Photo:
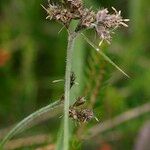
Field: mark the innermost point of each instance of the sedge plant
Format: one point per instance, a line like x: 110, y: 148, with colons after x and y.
x: 105, y: 24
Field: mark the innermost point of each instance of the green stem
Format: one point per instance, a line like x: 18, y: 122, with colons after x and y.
x: 71, y: 38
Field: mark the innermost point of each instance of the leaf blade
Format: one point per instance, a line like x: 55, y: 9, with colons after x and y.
x: 104, y: 55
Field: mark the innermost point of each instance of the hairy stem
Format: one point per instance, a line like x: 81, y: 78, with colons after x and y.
x: 71, y: 38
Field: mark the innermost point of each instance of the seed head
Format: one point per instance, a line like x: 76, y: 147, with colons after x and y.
x: 78, y: 113
x: 58, y: 13
x: 110, y: 20
x: 73, y: 113
x: 75, y: 4
x: 106, y: 23
x: 80, y: 101
x: 104, y: 33
x: 102, y: 21
x: 85, y: 115
x: 88, y: 18
x: 81, y: 115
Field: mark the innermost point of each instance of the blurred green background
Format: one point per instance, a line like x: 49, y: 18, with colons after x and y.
x: 32, y: 55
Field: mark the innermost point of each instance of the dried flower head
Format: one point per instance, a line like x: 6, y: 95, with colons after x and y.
x: 58, y: 13
x: 88, y: 18
x: 85, y: 115
x: 75, y: 4
x: 110, y: 20
x: 73, y: 113
x: 103, y: 21
x: 80, y: 114
x: 104, y: 33
x: 74, y: 9
x: 106, y: 23
x: 80, y: 101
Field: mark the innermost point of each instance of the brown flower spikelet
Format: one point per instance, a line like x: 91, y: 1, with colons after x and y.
x: 106, y: 23
x: 75, y: 4
x: 81, y: 115
x: 59, y: 13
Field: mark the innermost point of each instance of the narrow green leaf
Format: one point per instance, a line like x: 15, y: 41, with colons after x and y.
x: 26, y: 121
x: 104, y: 55
x: 59, y: 143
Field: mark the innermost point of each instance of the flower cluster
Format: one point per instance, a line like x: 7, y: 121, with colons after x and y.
x: 106, y: 23
x: 59, y: 13
x: 75, y: 4
x: 80, y: 114
x: 102, y: 21
x: 71, y: 9
x: 76, y: 112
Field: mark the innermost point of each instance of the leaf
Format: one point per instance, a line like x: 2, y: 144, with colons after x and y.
x: 26, y: 121
x: 104, y: 55
x: 59, y: 143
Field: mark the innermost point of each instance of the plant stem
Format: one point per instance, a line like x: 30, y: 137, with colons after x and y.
x: 71, y: 38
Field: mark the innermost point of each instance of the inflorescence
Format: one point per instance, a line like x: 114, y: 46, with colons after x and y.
x: 79, y: 114
x: 102, y: 21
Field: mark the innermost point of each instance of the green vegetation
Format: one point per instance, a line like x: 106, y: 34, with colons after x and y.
x: 32, y: 56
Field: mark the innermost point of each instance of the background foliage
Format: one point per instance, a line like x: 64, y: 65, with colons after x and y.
x: 32, y: 55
